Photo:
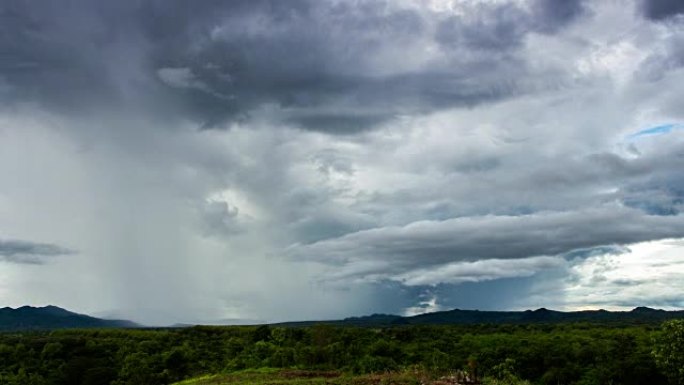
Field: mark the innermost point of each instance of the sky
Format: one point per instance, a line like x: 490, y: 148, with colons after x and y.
x: 264, y: 160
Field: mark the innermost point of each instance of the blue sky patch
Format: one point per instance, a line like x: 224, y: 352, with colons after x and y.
x: 657, y: 130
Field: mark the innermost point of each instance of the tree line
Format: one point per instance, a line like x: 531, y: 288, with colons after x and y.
x: 583, y: 354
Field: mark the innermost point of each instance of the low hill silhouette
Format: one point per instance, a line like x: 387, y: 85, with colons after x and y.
x: 52, y: 317
x: 638, y: 315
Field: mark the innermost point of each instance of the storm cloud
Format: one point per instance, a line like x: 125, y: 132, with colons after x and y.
x: 389, y: 252
x: 661, y: 9
x: 329, y: 66
x: 270, y: 160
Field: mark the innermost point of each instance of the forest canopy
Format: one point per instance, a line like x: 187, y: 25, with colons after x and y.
x: 577, y: 353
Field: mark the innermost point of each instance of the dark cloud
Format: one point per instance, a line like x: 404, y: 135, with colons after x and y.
x: 580, y: 254
x: 501, y: 28
x: 29, y: 252
x: 473, y: 271
x: 661, y: 9
x: 655, y: 199
x: 221, y: 219
x: 338, y: 123
x: 504, y: 293
x: 212, y: 62
x: 485, y: 27
x: 658, y: 65
x: 335, y: 68
x: 393, y: 251
x: 551, y: 15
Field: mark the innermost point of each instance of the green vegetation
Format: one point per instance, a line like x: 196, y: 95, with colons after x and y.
x: 301, y: 377
x: 669, y: 350
x: 580, y: 353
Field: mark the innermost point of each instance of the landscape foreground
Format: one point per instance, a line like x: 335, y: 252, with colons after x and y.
x: 302, y: 377
x: 561, y: 353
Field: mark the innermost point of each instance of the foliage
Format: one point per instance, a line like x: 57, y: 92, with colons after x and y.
x: 506, y: 354
x: 301, y: 377
x: 669, y: 350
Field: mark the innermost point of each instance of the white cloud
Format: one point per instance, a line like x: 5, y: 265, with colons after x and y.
x: 649, y: 274
x: 427, y: 305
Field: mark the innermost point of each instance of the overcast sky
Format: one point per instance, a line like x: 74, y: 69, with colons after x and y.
x: 267, y: 160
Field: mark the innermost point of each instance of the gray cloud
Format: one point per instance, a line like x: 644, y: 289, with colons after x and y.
x: 478, y: 271
x: 322, y: 65
x: 661, y: 9
x: 666, y: 60
x: 221, y: 219
x: 551, y: 15
x: 495, y: 27
x: 499, y: 28
x: 581, y: 254
x: 394, y: 251
x: 17, y: 251
x: 504, y: 293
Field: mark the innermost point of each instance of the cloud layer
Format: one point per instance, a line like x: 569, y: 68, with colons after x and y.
x: 329, y: 66
x: 435, y: 245
x: 316, y: 159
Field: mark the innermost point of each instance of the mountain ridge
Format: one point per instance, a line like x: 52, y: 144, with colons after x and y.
x: 639, y: 314
x: 52, y: 317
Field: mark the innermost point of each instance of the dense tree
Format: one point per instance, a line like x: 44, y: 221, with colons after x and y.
x: 542, y: 354
x: 669, y: 350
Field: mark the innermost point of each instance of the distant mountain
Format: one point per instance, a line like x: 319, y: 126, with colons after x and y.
x: 472, y: 317
x: 52, y: 317
x: 637, y: 315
